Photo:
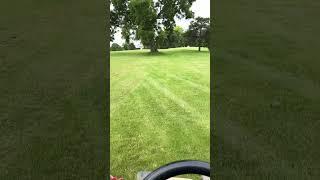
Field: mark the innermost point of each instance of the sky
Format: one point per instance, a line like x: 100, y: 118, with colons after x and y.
x: 199, y: 7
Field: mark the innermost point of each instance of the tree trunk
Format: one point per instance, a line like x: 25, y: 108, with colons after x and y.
x: 199, y: 40
x: 153, y: 47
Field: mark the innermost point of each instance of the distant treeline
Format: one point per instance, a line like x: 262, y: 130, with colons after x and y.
x: 197, y: 35
x: 125, y: 46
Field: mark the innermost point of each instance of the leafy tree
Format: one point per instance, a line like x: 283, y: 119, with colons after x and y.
x: 116, y: 47
x: 118, y: 10
x: 132, y: 46
x: 113, y: 24
x: 198, y: 32
x: 208, y: 41
x: 189, y: 38
x: 162, y: 40
x: 145, y: 19
x: 125, y: 46
x: 129, y: 46
x: 177, y: 37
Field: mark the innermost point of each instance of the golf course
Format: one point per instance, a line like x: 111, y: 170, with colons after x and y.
x: 159, y: 106
x: 52, y: 90
x: 266, y: 90
x: 54, y: 94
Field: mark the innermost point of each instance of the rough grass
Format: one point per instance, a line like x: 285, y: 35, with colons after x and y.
x: 159, y: 109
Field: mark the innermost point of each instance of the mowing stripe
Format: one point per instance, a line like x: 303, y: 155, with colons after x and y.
x: 240, y: 139
x: 179, y: 78
x: 305, y: 87
x: 183, y: 104
x: 191, y: 83
x: 180, y: 102
x: 115, y: 106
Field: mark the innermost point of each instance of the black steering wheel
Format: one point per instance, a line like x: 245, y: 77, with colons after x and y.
x: 179, y: 168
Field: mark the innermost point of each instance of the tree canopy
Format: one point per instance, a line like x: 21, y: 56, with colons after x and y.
x: 146, y: 20
x: 198, y: 32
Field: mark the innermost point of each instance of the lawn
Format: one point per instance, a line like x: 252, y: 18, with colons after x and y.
x: 159, y: 108
x: 267, y: 90
x: 52, y: 90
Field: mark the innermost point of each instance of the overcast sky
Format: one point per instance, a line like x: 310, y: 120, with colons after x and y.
x: 199, y: 7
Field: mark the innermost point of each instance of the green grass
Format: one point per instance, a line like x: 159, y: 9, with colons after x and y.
x: 266, y: 90
x: 159, y: 108
x: 52, y: 90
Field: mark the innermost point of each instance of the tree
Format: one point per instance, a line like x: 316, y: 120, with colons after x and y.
x: 198, y: 32
x: 118, y: 10
x: 146, y: 19
x: 129, y: 46
x: 177, y: 37
x: 190, y: 38
x: 115, y: 47
x: 209, y: 38
x: 125, y: 46
x: 132, y: 46
x: 162, y: 40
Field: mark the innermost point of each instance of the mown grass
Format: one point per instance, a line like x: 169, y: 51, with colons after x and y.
x: 159, y: 108
x: 52, y: 90
x: 266, y: 90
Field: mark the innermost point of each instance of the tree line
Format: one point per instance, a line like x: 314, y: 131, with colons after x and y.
x: 153, y: 23
x: 196, y: 36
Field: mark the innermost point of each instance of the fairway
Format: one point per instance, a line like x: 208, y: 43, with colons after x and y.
x: 267, y: 90
x: 159, y: 108
x: 52, y: 90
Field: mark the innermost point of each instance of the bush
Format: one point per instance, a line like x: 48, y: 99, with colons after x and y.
x: 116, y: 47
x: 132, y: 46
x: 125, y: 46
x: 129, y: 46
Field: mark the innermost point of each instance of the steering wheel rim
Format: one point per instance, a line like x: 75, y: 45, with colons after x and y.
x: 179, y: 168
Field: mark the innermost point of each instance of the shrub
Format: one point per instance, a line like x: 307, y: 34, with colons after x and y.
x: 116, y: 47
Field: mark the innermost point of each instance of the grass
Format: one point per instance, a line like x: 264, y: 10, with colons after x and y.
x: 266, y: 90
x: 159, y: 108
x: 52, y: 90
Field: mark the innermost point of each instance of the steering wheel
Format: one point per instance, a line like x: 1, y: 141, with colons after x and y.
x: 179, y: 168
